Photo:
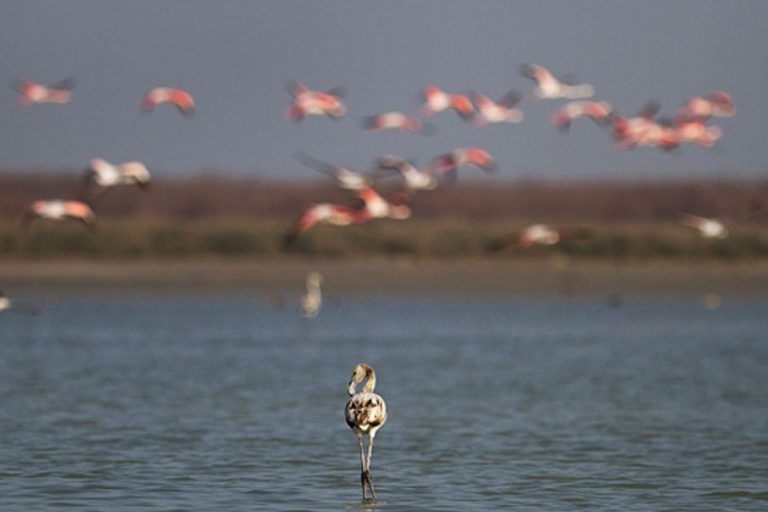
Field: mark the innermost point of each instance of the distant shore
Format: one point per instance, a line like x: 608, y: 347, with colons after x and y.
x: 466, y: 277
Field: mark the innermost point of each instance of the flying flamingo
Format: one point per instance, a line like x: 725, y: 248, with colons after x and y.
x: 549, y: 88
x: 415, y: 179
x: 31, y: 92
x: 695, y: 130
x: 58, y: 209
x: 313, y: 299
x: 324, y: 213
x: 717, y: 104
x: 376, y: 207
x: 104, y: 175
x: 598, y: 111
x: 449, y: 163
x: 371, y: 206
x: 707, y: 227
x: 629, y: 132
x: 307, y: 102
x: 344, y: 178
x: 366, y: 413
x: 541, y: 234
x: 179, y: 98
x: 436, y: 100
x: 397, y: 121
x: 502, y: 111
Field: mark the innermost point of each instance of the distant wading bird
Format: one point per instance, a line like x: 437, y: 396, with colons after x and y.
x: 6, y: 304
x: 365, y: 413
x: 313, y: 299
x: 179, y: 98
x: 31, y: 92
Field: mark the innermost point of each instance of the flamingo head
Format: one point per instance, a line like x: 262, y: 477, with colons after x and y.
x: 360, y: 372
x: 724, y: 101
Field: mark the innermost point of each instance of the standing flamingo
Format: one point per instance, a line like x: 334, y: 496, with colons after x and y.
x: 365, y: 413
x: 313, y: 299
x: 5, y: 302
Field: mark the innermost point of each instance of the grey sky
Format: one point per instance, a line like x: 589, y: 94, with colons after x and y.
x: 235, y: 57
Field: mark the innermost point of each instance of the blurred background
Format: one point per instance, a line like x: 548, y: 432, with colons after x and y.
x: 227, y: 182
x: 581, y: 328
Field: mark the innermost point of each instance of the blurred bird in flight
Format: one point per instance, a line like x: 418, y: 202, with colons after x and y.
x: 307, y: 102
x: 179, y: 98
x: 31, y: 92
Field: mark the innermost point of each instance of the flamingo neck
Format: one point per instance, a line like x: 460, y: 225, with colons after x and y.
x: 370, y: 381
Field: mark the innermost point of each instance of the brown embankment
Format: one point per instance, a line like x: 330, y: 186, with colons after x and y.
x: 466, y: 277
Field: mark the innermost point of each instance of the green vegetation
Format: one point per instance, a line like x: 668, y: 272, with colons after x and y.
x: 123, y: 239
x: 211, y: 215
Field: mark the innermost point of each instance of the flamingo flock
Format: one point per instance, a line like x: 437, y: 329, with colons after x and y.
x: 689, y: 126
x: 366, y: 411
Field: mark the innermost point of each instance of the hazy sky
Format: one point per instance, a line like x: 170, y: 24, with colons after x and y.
x: 236, y: 56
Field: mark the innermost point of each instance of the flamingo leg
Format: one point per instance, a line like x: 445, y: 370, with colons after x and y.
x: 363, y: 466
x: 368, y: 463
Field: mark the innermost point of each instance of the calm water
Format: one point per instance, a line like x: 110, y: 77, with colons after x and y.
x: 495, y: 404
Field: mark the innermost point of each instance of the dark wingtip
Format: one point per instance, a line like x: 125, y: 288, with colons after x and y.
x: 428, y: 129
x: 512, y: 98
x: 338, y: 91
x: 66, y: 84
x: 526, y: 69
x: 650, y: 109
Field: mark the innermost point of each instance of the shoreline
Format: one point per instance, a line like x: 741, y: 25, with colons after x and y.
x: 412, y: 276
